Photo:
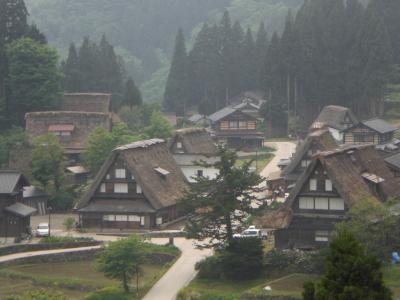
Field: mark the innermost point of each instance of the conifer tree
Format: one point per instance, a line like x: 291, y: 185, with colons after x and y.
x: 13, y: 25
x: 375, y: 50
x: 350, y: 273
x: 72, y: 76
x: 176, y: 96
x: 261, y: 46
x: 89, y: 65
x: 249, y: 66
x: 132, y: 95
x: 34, y: 33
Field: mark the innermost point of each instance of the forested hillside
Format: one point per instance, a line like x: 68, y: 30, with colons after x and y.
x: 143, y: 31
x: 330, y: 52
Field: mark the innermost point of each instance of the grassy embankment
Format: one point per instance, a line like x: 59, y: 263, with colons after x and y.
x: 74, y: 279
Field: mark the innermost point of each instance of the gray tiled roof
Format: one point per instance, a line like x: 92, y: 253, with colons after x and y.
x: 33, y: 191
x: 394, y: 160
x: 8, y: 181
x: 379, y: 125
x: 20, y: 209
x: 222, y: 113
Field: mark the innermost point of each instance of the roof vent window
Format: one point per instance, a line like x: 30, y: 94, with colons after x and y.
x: 162, y: 172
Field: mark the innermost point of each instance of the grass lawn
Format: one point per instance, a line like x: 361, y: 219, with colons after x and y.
x: 290, y: 285
x: 50, y: 275
x: 231, y: 290
x: 259, y: 161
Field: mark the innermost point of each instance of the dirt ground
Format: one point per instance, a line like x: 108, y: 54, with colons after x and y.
x: 56, y: 220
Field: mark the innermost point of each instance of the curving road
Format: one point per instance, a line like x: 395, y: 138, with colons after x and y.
x: 180, y: 274
x: 283, y: 150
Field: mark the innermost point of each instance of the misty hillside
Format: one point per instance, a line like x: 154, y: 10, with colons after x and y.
x: 143, y: 31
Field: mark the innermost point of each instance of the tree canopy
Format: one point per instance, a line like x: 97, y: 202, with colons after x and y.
x: 350, y: 273
x: 220, y: 203
x: 33, y: 79
x: 101, y: 143
x: 122, y: 259
x: 48, y: 161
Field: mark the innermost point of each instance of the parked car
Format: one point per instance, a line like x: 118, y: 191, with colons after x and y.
x: 252, y: 231
x: 42, y: 230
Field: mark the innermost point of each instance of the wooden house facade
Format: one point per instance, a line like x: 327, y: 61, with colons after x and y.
x: 191, y: 145
x: 236, y: 128
x: 374, y: 131
x: 333, y: 183
x: 14, y: 215
x: 138, y: 187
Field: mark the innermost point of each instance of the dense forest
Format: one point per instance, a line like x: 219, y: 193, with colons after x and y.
x: 142, y: 32
x: 330, y: 52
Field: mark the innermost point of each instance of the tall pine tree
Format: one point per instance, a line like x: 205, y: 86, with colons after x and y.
x: 72, y: 75
x: 132, y: 95
x: 176, y: 96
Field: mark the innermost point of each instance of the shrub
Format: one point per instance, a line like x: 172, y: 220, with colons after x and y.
x: 209, y: 268
x: 295, y: 260
x: 109, y: 293
x: 242, y: 259
x: 69, y: 223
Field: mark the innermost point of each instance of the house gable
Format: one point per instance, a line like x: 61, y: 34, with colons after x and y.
x: 140, y: 160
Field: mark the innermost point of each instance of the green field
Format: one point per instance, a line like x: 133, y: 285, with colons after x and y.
x: 289, y: 285
x: 24, y: 278
x: 260, y: 161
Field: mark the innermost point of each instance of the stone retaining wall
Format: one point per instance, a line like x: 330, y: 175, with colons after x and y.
x: 50, y: 246
x: 85, y: 254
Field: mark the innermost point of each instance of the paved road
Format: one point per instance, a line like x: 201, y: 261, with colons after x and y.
x: 180, y: 274
x: 283, y: 150
x: 44, y: 252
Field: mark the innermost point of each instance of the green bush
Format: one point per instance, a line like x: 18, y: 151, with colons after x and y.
x: 188, y: 294
x: 295, y: 261
x: 242, y: 259
x: 209, y: 268
x: 109, y: 293
x: 64, y: 239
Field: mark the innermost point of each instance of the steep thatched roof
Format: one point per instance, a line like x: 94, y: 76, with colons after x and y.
x: 194, y: 141
x: 348, y: 168
x: 87, y: 102
x: 276, y: 219
x: 143, y: 159
x: 335, y: 117
x: 321, y: 139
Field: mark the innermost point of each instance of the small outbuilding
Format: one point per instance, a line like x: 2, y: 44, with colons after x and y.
x: 14, y: 214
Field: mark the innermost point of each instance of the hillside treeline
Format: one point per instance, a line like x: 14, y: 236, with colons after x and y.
x: 330, y: 52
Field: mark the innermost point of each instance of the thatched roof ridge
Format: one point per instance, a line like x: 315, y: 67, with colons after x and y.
x: 323, y: 140
x: 345, y: 167
x: 194, y: 141
x: 141, y: 159
x: 64, y: 113
x: 89, y: 102
x: 334, y: 116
